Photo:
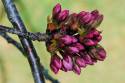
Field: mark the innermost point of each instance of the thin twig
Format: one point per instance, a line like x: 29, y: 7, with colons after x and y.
x: 28, y: 35
x: 32, y: 56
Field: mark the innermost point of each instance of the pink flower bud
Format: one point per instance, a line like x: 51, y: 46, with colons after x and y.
x: 56, y: 61
x: 90, y: 19
x: 86, y: 18
x: 79, y: 46
x: 63, y: 15
x: 56, y: 10
x: 76, y: 69
x: 81, y: 14
x: 97, y: 21
x: 54, y: 68
x: 89, y: 42
x: 95, y: 13
x: 101, y: 54
x: 74, y: 40
x: 66, y: 39
x: 89, y: 35
x: 99, y: 38
x: 87, y: 58
x: 80, y: 62
x: 67, y: 63
x: 73, y: 50
x: 98, y: 52
x: 95, y: 32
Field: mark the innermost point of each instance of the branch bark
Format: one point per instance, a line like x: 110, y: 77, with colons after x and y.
x: 32, y: 56
x: 28, y: 35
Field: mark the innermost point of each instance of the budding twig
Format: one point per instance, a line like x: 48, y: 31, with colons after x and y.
x: 28, y: 35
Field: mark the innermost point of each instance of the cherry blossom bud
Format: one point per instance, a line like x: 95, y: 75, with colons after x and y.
x: 98, y: 52
x: 56, y: 61
x: 95, y: 32
x: 73, y: 50
x: 74, y: 40
x: 86, y: 18
x: 76, y: 69
x: 101, y: 54
x: 87, y: 58
x: 67, y: 63
x: 54, y: 68
x: 89, y: 35
x: 81, y: 14
x: 89, y: 42
x: 97, y: 21
x: 79, y: 46
x: 63, y: 15
x: 66, y: 39
x: 56, y: 10
x: 99, y: 38
x: 80, y: 62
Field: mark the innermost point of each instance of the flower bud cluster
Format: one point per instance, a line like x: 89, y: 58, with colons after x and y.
x: 74, y: 40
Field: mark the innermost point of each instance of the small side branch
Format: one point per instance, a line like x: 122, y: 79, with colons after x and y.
x: 28, y: 35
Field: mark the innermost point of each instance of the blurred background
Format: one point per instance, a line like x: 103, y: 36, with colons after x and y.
x: 14, y: 68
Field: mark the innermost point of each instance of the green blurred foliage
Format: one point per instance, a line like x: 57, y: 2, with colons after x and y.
x: 34, y: 14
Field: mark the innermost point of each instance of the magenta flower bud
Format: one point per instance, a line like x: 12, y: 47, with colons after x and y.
x: 81, y: 14
x: 97, y: 21
x: 63, y: 15
x: 80, y: 62
x: 87, y: 58
x: 99, y: 38
x: 93, y: 32
x: 76, y: 69
x: 89, y: 35
x: 97, y: 18
x: 67, y: 63
x: 56, y: 61
x: 73, y: 50
x: 89, y: 42
x: 54, y: 68
x: 74, y: 40
x: 56, y: 10
x: 79, y: 46
x: 86, y: 19
x: 66, y: 39
x: 101, y: 54
x: 95, y: 13
x: 98, y: 52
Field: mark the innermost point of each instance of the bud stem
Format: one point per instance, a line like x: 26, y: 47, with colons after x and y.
x: 28, y: 35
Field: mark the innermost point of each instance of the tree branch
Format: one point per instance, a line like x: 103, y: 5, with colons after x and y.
x: 32, y: 56
x: 28, y: 35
